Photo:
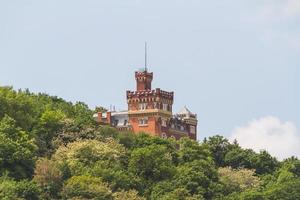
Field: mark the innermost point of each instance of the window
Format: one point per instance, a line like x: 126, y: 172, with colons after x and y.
x: 164, y: 123
x: 125, y: 122
x: 193, y: 129
x: 142, y: 106
x: 164, y: 135
x: 165, y: 106
x: 143, y: 121
x: 182, y: 128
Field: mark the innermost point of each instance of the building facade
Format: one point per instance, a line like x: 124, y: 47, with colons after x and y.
x: 150, y: 111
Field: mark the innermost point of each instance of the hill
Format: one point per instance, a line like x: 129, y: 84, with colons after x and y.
x: 53, y: 149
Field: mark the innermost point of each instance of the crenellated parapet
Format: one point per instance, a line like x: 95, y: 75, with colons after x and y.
x: 149, y: 95
x: 150, y: 99
x: 142, y: 75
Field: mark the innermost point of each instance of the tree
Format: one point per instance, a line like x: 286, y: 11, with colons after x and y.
x: 240, y: 158
x: 22, y: 190
x: 8, y: 190
x: 82, y: 114
x: 145, y: 140
x: 100, y: 109
x: 219, y: 147
x: 199, y: 177
x: 49, y: 178
x: 289, y: 170
x: 81, y: 156
x: 152, y: 163
x: 237, y: 180
x: 191, y: 150
x: 17, y: 150
x: 247, y: 195
x: 71, y: 132
x: 264, y: 163
x: 86, y: 187
x: 289, y: 190
x: 181, y: 194
x: 128, y: 195
x: 127, y: 139
x: 49, y: 124
x: 18, y: 105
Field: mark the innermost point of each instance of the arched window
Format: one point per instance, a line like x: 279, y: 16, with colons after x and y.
x: 164, y: 122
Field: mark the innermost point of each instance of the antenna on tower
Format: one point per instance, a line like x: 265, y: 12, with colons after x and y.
x: 146, y: 57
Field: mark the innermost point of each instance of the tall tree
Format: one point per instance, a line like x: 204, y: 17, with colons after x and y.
x: 17, y: 150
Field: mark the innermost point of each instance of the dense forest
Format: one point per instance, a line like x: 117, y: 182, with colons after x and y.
x: 53, y: 149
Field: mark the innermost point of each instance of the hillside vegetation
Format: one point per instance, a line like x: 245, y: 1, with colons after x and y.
x: 53, y: 149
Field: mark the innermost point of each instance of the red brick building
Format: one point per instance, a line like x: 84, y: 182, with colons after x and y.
x: 151, y: 111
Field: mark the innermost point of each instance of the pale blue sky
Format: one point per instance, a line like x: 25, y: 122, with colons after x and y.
x: 230, y: 61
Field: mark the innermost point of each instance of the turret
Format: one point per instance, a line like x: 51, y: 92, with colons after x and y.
x: 143, y: 80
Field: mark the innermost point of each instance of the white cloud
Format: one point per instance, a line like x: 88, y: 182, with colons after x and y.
x: 280, y: 139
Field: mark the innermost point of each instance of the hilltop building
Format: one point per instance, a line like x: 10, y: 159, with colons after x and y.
x: 151, y: 111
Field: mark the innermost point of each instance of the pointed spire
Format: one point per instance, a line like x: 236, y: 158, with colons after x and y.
x: 185, y: 111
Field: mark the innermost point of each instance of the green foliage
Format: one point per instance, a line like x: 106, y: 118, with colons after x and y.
x: 239, y: 158
x: 100, y: 109
x: 152, y: 163
x: 19, y: 105
x: 53, y: 149
x: 191, y: 150
x: 47, y: 128
x: 289, y: 190
x: 71, y: 132
x: 25, y: 190
x: 239, y: 180
x: 82, y: 114
x: 198, y: 177
x: 86, y: 187
x: 81, y: 156
x: 290, y: 166
x: 263, y: 163
x: 128, y: 195
x: 219, y: 147
x: 181, y: 194
x: 247, y: 195
x: 49, y: 178
x: 127, y: 139
x: 17, y: 150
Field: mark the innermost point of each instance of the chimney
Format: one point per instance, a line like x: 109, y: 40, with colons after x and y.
x: 108, y: 117
x: 99, y: 117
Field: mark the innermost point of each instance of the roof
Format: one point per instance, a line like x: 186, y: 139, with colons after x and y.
x: 124, y: 112
x: 185, y: 111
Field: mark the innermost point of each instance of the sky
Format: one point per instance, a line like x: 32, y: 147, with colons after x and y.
x: 233, y: 62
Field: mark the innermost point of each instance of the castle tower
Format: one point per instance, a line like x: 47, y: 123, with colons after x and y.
x: 148, y: 110
x: 151, y: 111
x: 143, y: 80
